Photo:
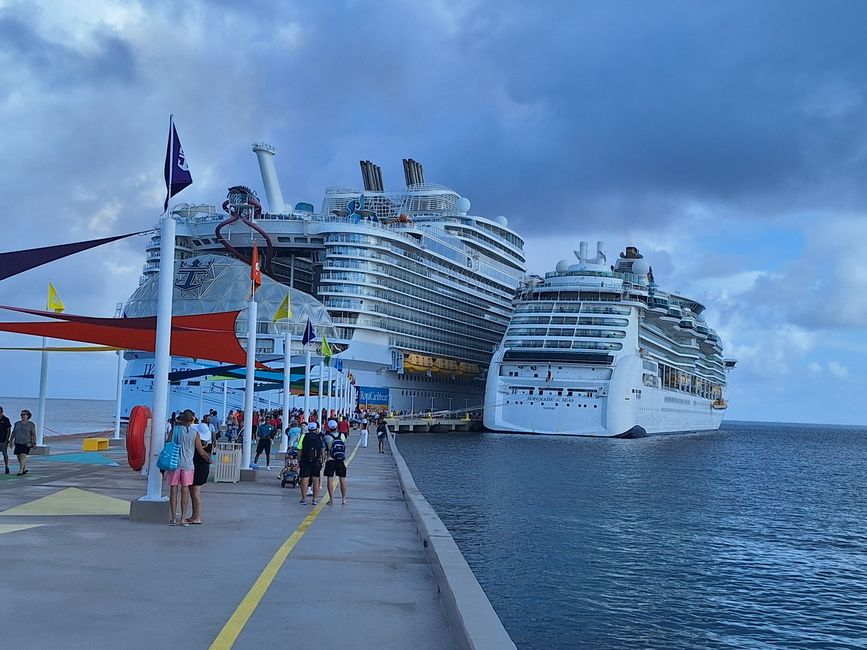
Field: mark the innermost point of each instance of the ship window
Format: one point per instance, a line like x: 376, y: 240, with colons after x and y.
x: 197, y: 242
x: 192, y: 383
x: 132, y: 382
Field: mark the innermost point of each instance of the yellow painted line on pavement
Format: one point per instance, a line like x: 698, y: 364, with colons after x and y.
x: 235, y: 625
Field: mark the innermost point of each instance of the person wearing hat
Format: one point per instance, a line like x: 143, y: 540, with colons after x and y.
x: 310, y: 449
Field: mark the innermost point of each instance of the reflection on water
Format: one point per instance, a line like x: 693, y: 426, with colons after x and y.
x: 750, y: 537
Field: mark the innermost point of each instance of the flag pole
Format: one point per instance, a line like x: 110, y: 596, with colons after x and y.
x: 307, y: 381
x: 321, y: 387
x: 162, y: 352
x: 249, y: 382
x: 287, y: 386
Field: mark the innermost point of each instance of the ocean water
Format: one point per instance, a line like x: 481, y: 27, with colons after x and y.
x: 65, y: 416
x: 754, y: 536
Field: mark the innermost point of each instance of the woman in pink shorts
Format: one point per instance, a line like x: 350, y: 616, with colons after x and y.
x: 189, y: 442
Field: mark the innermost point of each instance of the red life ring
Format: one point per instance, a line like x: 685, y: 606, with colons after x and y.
x: 135, y: 436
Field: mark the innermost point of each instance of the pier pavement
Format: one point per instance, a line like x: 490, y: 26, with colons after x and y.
x: 262, y: 570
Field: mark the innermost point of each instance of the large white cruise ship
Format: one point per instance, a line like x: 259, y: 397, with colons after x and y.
x: 595, y: 349
x: 418, y: 290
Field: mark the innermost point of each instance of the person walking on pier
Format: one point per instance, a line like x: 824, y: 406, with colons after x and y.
x: 381, y: 434
x: 311, y: 446
x: 264, y: 434
x: 24, y: 436
x: 5, y: 437
x: 336, y: 466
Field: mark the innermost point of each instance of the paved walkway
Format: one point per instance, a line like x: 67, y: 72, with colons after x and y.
x: 78, y: 574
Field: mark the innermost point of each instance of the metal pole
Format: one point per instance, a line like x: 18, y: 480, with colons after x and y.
x: 287, y: 387
x: 117, y: 394
x: 307, y: 382
x: 43, y: 393
x: 201, y: 398
x: 249, y: 383
x: 321, y: 388
x: 162, y: 354
x: 328, y: 403
x: 225, y: 400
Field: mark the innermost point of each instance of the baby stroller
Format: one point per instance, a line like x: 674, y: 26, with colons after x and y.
x: 289, y: 474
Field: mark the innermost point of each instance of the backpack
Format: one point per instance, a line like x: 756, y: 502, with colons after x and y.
x: 338, y: 449
x: 310, y: 447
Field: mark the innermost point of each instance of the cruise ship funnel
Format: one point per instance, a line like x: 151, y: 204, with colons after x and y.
x: 265, y: 153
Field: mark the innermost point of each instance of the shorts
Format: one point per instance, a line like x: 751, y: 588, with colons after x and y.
x: 337, y: 467
x: 310, y: 469
x: 22, y: 449
x: 264, y: 444
x: 183, y: 477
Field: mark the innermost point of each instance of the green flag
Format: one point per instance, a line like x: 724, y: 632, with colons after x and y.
x: 325, y: 349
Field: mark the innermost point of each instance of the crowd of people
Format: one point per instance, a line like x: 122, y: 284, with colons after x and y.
x: 317, y: 444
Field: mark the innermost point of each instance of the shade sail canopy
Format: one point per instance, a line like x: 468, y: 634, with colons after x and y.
x: 15, y: 262
x: 201, y: 336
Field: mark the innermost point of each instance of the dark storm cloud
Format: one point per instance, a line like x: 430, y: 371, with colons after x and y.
x: 55, y: 64
x: 592, y: 112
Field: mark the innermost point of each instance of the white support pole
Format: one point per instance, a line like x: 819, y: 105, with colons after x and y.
x: 117, y: 394
x: 321, y: 388
x: 249, y: 384
x: 307, y: 382
x: 201, y: 398
x: 328, y: 404
x: 43, y: 393
x: 287, y: 387
x: 225, y: 400
x: 162, y: 357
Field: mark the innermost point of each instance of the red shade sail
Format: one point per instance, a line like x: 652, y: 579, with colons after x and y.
x: 200, y: 336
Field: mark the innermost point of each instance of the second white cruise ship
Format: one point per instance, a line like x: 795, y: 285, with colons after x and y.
x: 600, y: 350
x: 418, y: 289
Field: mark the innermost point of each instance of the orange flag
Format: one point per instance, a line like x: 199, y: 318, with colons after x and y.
x: 255, y: 271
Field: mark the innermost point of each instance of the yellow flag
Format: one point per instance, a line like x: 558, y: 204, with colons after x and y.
x: 54, y: 301
x: 325, y: 349
x: 284, y: 311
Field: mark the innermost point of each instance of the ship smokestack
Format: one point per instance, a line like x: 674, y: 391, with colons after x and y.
x: 371, y: 176
x: 413, y: 172
x: 600, y: 252
x: 265, y: 153
x: 582, y: 247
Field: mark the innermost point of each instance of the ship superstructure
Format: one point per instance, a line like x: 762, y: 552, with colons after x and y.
x: 599, y: 349
x: 419, y: 290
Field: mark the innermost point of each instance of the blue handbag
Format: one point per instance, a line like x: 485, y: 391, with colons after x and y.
x: 170, y: 456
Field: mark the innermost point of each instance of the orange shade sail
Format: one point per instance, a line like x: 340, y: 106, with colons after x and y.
x: 200, y: 336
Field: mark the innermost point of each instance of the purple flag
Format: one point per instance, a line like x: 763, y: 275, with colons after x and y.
x: 176, y: 171
x: 309, y: 334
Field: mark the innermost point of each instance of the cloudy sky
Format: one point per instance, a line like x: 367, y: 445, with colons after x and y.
x: 727, y: 140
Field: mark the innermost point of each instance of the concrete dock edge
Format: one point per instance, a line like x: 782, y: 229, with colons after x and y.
x: 471, y: 618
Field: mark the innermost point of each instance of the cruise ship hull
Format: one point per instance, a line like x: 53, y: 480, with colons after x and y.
x: 610, y: 416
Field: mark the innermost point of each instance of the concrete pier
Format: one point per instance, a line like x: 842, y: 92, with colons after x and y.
x: 262, y: 569
x: 407, y: 424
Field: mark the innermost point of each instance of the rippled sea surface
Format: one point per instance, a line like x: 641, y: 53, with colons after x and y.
x: 65, y: 416
x: 754, y: 536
